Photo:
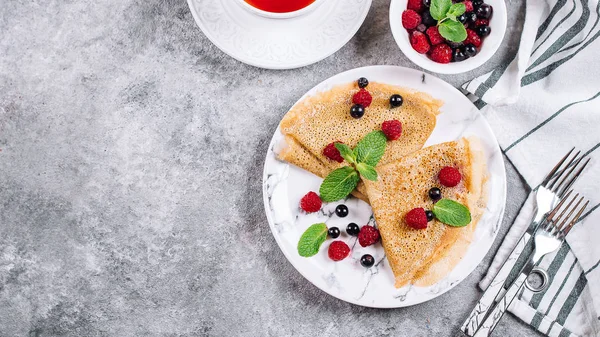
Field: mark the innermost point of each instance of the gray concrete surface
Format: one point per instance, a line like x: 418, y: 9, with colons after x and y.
x: 131, y: 152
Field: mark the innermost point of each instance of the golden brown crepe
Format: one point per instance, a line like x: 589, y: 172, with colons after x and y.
x: 425, y: 256
x: 325, y: 117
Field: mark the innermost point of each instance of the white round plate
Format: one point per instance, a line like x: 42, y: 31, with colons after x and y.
x: 279, y: 43
x: 284, y: 185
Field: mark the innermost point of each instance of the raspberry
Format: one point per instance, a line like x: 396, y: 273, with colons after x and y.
x: 311, y: 202
x: 441, y: 53
x: 392, y: 129
x: 482, y: 22
x: 449, y: 176
x: 331, y: 152
x: 362, y: 97
x: 416, y: 218
x: 468, y: 6
x: 415, y: 5
x: 338, y: 250
x: 419, y: 42
x: 368, y: 235
x: 473, y: 38
x: 434, y: 35
x: 410, y: 19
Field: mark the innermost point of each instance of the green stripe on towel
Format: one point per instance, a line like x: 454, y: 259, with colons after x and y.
x: 564, y: 333
x: 557, y: 7
x: 572, y: 299
x: 540, y: 74
x: 566, y: 37
x: 562, y: 285
x: 556, y: 114
x: 552, y: 270
x: 556, y: 27
x: 593, y: 267
x: 537, y: 320
x: 588, y: 34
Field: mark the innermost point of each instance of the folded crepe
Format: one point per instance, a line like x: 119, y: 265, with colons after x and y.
x: 425, y: 256
x: 325, y: 117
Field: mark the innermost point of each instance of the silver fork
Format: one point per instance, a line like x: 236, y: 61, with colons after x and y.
x: 547, y: 238
x: 553, y: 187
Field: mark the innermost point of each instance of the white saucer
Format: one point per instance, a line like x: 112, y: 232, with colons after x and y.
x: 284, y: 185
x: 279, y: 43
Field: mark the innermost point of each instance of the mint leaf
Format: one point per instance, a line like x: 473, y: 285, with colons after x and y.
x: 452, y: 213
x: 368, y: 172
x: 451, y: 17
x: 453, y: 31
x: 312, y: 239
x: 456, y: 10
x: 338, y: 184
x: 346, y: 152
x: 371, y: 148
x: 439, y: 8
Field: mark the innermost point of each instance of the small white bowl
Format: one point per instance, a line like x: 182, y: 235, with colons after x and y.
x: 486, y: 51
x: 287, y: 15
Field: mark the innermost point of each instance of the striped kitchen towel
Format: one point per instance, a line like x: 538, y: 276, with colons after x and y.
x: 546, y: 101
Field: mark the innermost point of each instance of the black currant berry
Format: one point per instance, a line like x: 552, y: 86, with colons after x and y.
x: 435, y: 194
x: 396, y: 100
x: 458, y: 55
x: 429, y: 215
x: 363, y: 82
x: 470, y: 50
x: 357, y: 111
x: 333, y: 232
x: 341, y: 211
x: 483, y: 31
x: 352, y: 229
x: 484, y: 11
x: 367, y: 260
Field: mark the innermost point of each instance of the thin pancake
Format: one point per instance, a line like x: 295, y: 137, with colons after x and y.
x: 323, y: 118
x: 294, y: 151
x: 425, y: 256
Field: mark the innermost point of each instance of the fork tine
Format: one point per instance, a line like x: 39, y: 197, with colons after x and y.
x: 575, y: 219
x: 557, y: 207
x: 561, y: 172
x: 572, y: 167
x: 565, y: 209
x: 553, y: 171
x: 560, y: 227
x: 574, y: 178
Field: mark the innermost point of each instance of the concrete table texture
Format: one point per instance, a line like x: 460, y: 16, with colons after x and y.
x: 130, y: 180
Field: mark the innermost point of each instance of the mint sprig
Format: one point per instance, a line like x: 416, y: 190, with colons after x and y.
x: 371, y: 148
x: 346, y: 152
x: 439, y: 8
x: 338, y: 184
x: 456, y: 10
x: 446, y: 13
x: 363, y: 159
x: 453, y: 31
x: 368, y: 172
x: 452, y: 213
x: 312, y: 239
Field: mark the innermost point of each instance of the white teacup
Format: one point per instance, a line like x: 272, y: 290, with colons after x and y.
x: 286, y: 15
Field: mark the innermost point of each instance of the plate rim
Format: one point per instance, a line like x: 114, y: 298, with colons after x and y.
x: 214, y: 41
x: 350, y: 300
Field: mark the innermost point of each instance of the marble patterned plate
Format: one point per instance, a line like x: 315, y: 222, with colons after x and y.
x: 284, y: 185
x: 279, y: 43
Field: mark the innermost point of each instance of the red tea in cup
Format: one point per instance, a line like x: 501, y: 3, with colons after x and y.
x: 279, y: 6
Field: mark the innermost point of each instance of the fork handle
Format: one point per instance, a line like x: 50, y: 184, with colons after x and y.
x: 488, y: 326
x: 487, y: 300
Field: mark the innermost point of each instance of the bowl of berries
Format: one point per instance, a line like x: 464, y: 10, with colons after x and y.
x: 448, y: 36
